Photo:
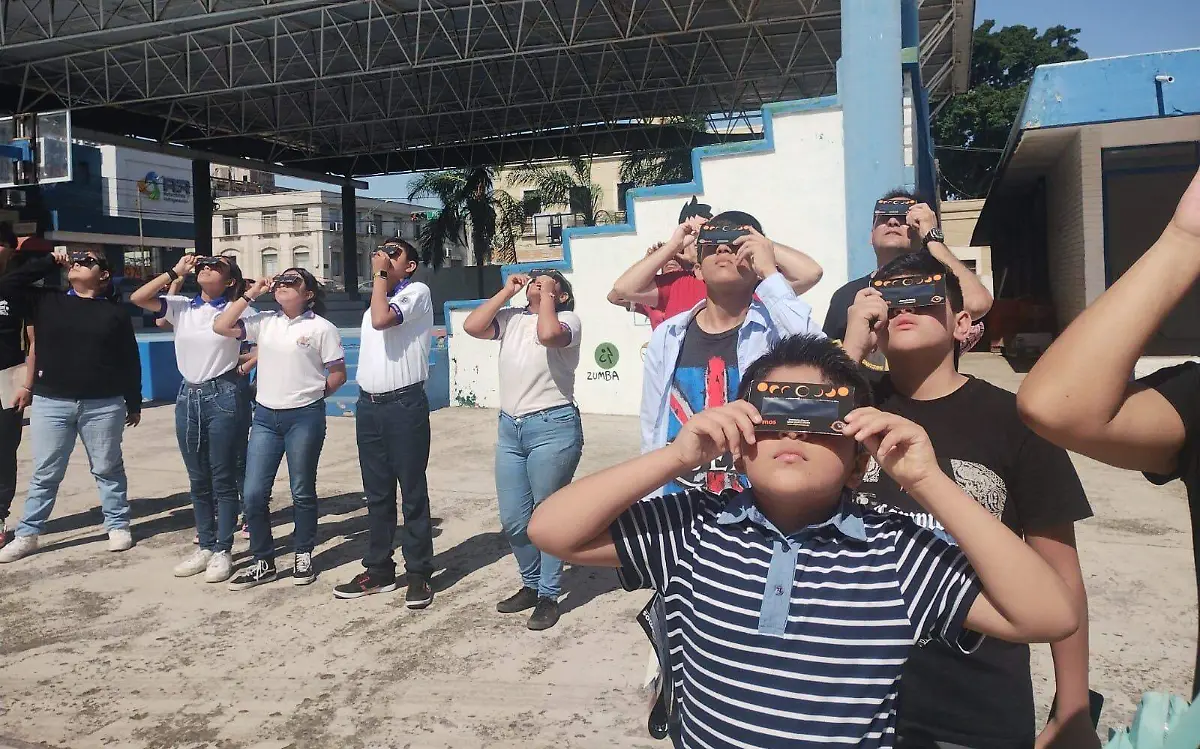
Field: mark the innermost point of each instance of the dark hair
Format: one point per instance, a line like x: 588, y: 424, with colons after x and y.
x: 411, y: 254
x: 317, y: 303
x: 694, y: 208
x: 8, y: 237
x: 924, y: 264
x: 565, y: 285
x: 901, y: 192
x: 814, y: 351
x: 238, y: 287
x: 737, y: 218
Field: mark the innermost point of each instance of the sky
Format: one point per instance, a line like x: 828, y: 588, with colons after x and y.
x: 1107, y: 28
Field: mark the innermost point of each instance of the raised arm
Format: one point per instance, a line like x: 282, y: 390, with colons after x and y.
x: 146, y: 295
x: 636, y: 285
x: 801, y: 271
x: 573, y: 523
x: 479, y: 324
x: 1022, y: 598
x: 383, y: 315
x: 977, y: 300
x: 21, y: 279
x: 1078, y: 395
x: 226, y: 323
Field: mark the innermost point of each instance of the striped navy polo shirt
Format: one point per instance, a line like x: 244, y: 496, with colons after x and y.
x: 790, y: 640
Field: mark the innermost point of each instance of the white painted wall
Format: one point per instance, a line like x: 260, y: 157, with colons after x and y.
x: 141, y: 183
x: 797, y: 191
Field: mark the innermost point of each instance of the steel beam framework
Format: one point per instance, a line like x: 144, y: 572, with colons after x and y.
x: 359, y: 85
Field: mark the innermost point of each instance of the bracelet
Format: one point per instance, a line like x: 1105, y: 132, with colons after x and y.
x: 248, y: 299
x: 171, y: 274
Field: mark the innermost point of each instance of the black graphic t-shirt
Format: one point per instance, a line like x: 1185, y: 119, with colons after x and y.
x: 836, y: 318
x: 1181, y: 387
x: 706, y: 376
x: 977, y: 692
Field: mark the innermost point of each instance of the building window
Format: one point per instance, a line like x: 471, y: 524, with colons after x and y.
x: 622, y: 188
x: 270, y: 262
x: 231, y: 227
x: 300, y: 219
x: 531, y: 201
x: 581, y: 199
x: 270, y: 222
x: 335, y: 264
x: 300, y: 258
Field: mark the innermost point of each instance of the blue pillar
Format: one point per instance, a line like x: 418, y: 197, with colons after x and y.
x: 871, y: 91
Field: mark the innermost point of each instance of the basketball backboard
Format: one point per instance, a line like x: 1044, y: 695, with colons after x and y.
x: 35, y: 148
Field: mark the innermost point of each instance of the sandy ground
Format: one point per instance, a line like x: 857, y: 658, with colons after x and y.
x: 101, y: 649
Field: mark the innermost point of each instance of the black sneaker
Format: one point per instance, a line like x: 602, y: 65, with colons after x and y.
x: 365, y: 584
x: 419, y: 593
x: 545, y: 615
x: 524, y: 599
x: 302, y: 569
x: 258, y: 573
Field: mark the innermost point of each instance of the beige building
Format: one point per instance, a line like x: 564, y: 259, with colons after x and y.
x: 303, y: 229
x: 958, y: 220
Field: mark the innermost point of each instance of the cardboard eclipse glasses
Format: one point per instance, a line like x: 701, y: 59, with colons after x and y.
x: 804, y: 407
x: 712, y: 236
x: 912, y: 291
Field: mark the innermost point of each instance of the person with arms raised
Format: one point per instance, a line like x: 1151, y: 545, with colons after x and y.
x: 88, y: 386
x: 1079, y: 394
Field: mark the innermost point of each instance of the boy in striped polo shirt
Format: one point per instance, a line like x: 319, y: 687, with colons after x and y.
x: 790, y: 608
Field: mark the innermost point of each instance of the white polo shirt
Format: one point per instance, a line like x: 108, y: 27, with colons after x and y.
x: 533, y: 377
x: 200, y: 353
x: 292, y: 356
x: 398, y: 356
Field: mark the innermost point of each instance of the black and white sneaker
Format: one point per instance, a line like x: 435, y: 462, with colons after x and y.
x: 302, y: 569
x: 364, y: 584
x: 258, y: 573
x: 419, y: 593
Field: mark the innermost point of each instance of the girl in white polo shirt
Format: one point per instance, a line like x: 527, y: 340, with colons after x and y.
x: 300, y: 362
x: 540, y: 438
x: 213, y: 405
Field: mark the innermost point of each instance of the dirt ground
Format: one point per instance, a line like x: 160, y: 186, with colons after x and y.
x: 101, y: 649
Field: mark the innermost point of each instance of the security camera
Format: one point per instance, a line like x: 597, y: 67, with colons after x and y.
x: 1164, y: 79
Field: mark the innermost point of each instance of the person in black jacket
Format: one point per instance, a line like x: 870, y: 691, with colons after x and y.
x: 18, y: 381
x: 88, y: 384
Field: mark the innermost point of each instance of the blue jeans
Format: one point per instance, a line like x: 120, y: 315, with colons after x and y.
x: 298, y: 433
x: 536, y: 455
x: 55, y: 423
x: 210, y: 424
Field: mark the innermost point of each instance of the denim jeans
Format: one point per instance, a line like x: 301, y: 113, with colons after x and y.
x: 210, y: 423
x: 298, y: 433
x: 11, y: 422
x: 536, y: 455
x: 56, y: 422
x: 393, y: 447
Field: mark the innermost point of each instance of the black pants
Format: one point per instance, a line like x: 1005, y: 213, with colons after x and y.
x: 393, y: 447
x: 10, y: 439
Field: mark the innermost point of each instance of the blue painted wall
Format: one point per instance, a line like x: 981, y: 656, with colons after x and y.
x: 1113, y: 89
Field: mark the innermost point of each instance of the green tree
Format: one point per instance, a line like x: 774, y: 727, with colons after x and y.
x: 1002, y: 65
x: 471, y: 208
x: 662, y: 166
x: 557, y: 185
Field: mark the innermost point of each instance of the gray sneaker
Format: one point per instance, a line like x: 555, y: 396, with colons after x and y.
x: 220, y: 567
x: 195, y: 564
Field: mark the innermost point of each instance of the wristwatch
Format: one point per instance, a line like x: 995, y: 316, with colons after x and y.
x: 935, y: 235
x: 381, y: 274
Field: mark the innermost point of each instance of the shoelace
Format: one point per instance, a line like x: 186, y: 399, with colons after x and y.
x: 303, y: 562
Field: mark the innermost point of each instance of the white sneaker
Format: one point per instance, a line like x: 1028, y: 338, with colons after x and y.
x: 21, y: 546
x: 220, y: 567
x: 193, y: 565
x: 120, y: 540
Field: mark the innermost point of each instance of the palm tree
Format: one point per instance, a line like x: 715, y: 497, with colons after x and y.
x: 556, y: 186
x: 662, y: 166
x: 470, y: 208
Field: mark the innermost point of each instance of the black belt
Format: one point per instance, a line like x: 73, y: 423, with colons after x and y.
x: 391, y: 395
x: 230, y: 376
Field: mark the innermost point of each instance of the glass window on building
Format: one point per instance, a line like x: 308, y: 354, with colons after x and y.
x: 270, y: 222
x: 300, y: 219
x: 335, y: 265
x: 231, y: 226
x: 301, y: 259
x: 531, y: 201
x: 270, y: 262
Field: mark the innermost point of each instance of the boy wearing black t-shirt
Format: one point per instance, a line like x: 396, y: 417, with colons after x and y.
x: 974, y: 693
x: 1079, y: 395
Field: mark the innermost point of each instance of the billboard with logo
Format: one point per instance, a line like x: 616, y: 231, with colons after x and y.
x: 150, y: 185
